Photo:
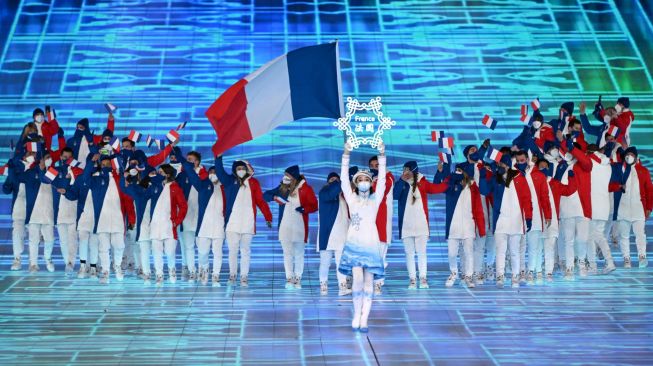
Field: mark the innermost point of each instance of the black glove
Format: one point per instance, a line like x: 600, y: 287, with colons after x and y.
x: 300, y: 210
x: 529, y: 224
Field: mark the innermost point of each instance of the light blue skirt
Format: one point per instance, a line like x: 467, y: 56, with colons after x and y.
x: 369, y: 258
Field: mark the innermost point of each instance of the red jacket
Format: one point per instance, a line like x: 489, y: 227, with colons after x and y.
x: 258, y: 201
x: 49, y: 129
x: 308, y: 201
x: 558, y: 190
x: 382, y: 214
x: 544, y: 134
x: 178, y: 206
x: 542, y: 191
x: 477, y: 210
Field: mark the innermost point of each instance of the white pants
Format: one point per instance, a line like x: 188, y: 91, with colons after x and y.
x: 325, y: 265
x: 624, y: 236
x: 169, y: 246
x: 144, y: 250
x: 114, y: 241
x: 417, y: 244
x: 503, y: 243
x: 533, y: 239
x: 598, y: 239
x: 68, y: 242
x: 362, y: 291
x: 481, y: 244
x: 549, y: 254
x: 575, y: 231
x: 293, y: 258
x: 187, y: 241
x: 242, y: 242
x: 35, y: 231
x: 88, y: 247
x: 468, y: 258
x: 18, y: 237
x: 204, y: 245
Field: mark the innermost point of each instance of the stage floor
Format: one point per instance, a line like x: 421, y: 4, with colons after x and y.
x: 49, y: 319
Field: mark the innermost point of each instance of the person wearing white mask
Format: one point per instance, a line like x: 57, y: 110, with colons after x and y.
x: 362, y: 257
x: 633, y: 202
x: 243, y: 195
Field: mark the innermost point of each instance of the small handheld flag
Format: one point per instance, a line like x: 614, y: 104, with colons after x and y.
x: 115, y: 144
x: 74, y: 163
x: 115, y: 164
x: 613, y: 131
x: 50, y: 113
x: 445, y: 158
x: 446, y: 143
x: 4, y: 170
x: 110, y: 107
x: 489, y: 122
x: 524, y: 109
x: 494, y: 154
x: 535, y: 104
x: 160, y: 144
x: 172, y: 136
x: 149, y: 141
x: 525, y: 118
x: 31, y: 146
x: 436, y: 135
x: 182, y: 125
x: 134, y: 136
x: 51, y: 174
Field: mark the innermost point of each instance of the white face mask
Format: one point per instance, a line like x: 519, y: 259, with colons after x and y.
x: 569, y: 157
x: 133, y: 172
x: 554, y: 153
x: 29, y: 159
x: 241, y: 173
x: 607, y: 119
x: 286, y: 180
x: 48, y: 162
x: 537, y: 124
x: 363, y: 186
x: 38, y: 118
x: 630, y: 160
x: 619, y: 108
x: 213, y: 178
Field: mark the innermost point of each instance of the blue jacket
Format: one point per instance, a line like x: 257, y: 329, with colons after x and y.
x: 11, y: 185
x: 491, y: 186
x: 141, y: 196
x: 329, y: 204
x: 204, y: 188
x: 59, y: 182
x: 269, y: 196
x: 597, y: 131
x: 98, y: 185
x: 32, y: 178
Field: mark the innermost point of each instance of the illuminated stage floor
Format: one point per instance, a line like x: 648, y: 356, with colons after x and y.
x: 48, y: 319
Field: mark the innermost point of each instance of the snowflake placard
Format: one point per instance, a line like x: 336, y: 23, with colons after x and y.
x: 364, y: 123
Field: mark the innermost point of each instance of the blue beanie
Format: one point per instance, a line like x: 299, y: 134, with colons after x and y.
x: 466, y: 150
x: 236, y: 164
x: 568, y: 106
x: 506, y: 159
x: 331, y: 175
x: 632, y: 150
x: 293, y: 171
x: 625, y: 101
x: 412, y: 165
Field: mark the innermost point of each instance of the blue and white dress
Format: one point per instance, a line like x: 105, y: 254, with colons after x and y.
x: 362, y: 248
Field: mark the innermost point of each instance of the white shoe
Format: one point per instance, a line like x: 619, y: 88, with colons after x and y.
x: 479, y: 279
x: 423, y: 283
x: 159, y: 280
x: 609, y: 268
x: 16, y: 265
x: 290, y: 285
x: 104, y: 278
x: 49, y: 265
x: 343, y: 290
x: 549, y: 277
x: 627, y: 263
x: 412, y: 284
x: 522, y: 277
x: 530, y: 278
x: 469, y: 282
x: 192, y: 276
x: 378, y: 289
x: 643, y: 262
x: 93, y: 272
x: 244, y: 282
x: 582, y: 271
x: 324, y: 288
x: 500, y: 281
x: 515, y: 281
x: 172, y: 275
x: 232, y: 280
x: 539, y: 279
x: 69, y: 269
x: 184, y: 272
x: 146, y: 279
x: 215, y: 280
x: 298, y: 283
x: 119, y: 274
x: 204, y: 276
x: 33, y: 268
x: 569, y: 274
x: 451, y: 280
x: 83, y: 270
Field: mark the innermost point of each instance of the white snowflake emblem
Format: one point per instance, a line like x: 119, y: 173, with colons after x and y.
x: 356, y: 221
x: 344, y: 123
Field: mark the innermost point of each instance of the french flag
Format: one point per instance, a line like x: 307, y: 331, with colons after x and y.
x: 302, y: 83
x: 32, y: 146
x: 51, y: 174
x: 446, y: 143
x: 149, y: 140
x: 4, y: 170
x: 535, y: 104
x: 613, y: 130
x: 494, y: 154
x: 436, y: 135
x: 134, y: 136
x: 525, y: 118
x: 115, y: 164
x: 115, y: 144
x: 72, y: 162
x: 524, y: 109
x: 489, y: 122
x: 445, y: 158
x: 172, y: 136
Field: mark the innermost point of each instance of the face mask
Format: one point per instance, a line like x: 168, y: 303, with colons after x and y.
x: 456, y: 177
x: 521, y: 166
x: 133, y: 172
x: 38, y: 118
x: 285, y: 180
x: 30, y: 159
x: 156, y: 179
x: 48, y: 162
x: 606, y: 119
x: 33, y: 136
x: 547, y: 171
x: 241, y: 174
x: 630, y: 159
x: 363, y: 186
x: 475, y: 156
x: 569, y: 157
x: 213, y: 178
x: 554, y: 153
x: 374, y: 172
x: 537, y: 124
x: 619, y: 108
